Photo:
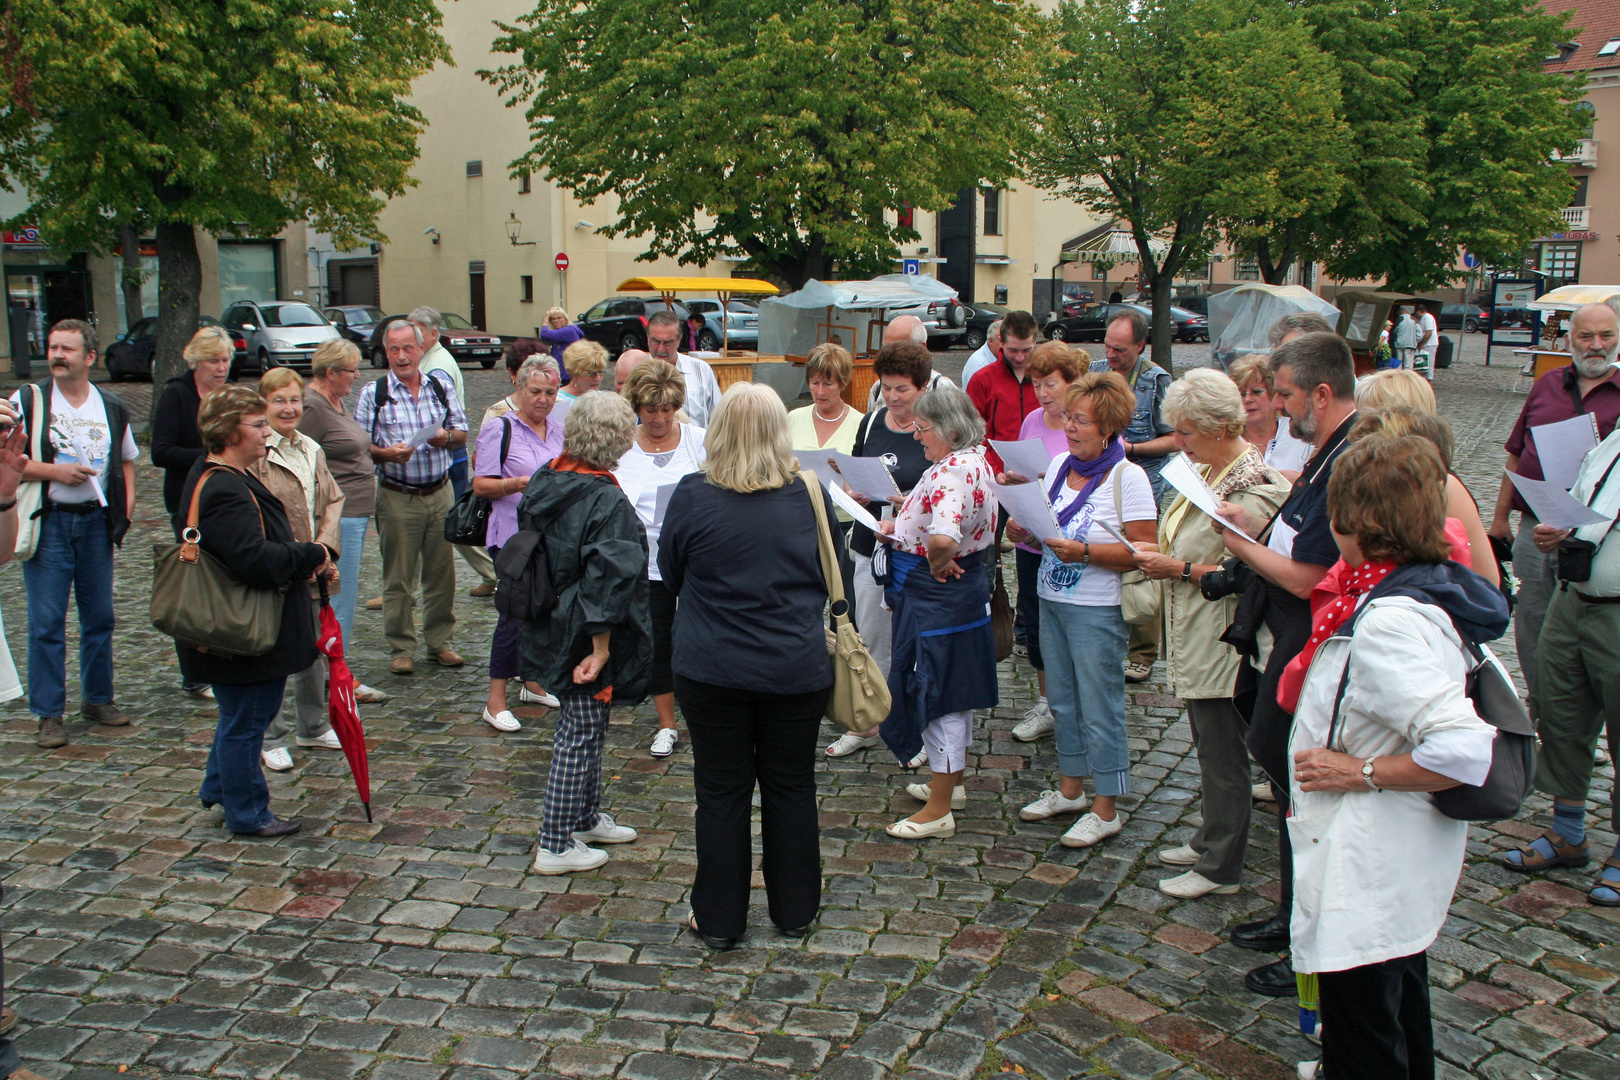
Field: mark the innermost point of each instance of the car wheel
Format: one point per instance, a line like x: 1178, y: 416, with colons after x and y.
x: 975, y: 338
x: 629, y: 341
x: 265, y: 363
x: 707, y: 342
x: 1471, y: 326
x: 379, y: 359
x: 1055, y: 332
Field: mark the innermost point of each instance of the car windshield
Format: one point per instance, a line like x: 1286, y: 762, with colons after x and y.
x: 292, y: 315
x: 1183, y: 313
x: 451, y: 321
x: 366, y: 315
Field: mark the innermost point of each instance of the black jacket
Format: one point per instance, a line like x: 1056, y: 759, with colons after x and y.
x: 597, y: 551
x: 117, y: 423
x: 176, y: 446
x: 258, y: 547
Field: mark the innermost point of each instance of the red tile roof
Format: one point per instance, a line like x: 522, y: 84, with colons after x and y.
x: 1593, y: 24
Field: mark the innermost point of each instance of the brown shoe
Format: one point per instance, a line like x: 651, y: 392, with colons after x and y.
x: 51, y: 734
x: 485, y: 589
x: 108, y: 715
x: 374, y: 604
x: 8, y: 1020
x: 402, y: 665
x: 448, y: 658
x: 24, y: 1074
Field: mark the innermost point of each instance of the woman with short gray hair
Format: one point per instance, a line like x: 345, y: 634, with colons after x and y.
x: 953, y: 415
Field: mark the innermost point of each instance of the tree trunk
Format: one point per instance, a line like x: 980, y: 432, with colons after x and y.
x: 131, y: 279
x: 179, y: 286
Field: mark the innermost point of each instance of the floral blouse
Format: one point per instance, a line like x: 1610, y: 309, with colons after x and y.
x: 952, y: 499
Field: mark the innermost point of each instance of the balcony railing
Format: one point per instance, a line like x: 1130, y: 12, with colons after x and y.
x: 1584, y: 154
x: 1577, y: 218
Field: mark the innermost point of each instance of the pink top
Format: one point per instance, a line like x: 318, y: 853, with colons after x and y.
x: 952, y: 499
x: 1057, y: 442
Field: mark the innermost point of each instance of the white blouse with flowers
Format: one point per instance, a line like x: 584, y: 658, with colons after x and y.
x: 952, y: 499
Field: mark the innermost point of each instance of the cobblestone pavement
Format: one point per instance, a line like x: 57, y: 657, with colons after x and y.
x: 139, y: 933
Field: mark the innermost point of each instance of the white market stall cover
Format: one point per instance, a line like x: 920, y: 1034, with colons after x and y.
x: 1567, y: 298
x: 840, y: 311
x: 1240, y: 318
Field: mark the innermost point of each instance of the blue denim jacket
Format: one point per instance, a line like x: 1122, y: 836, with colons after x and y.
x: 1151, y: 384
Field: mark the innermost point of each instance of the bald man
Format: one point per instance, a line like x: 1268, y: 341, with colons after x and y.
x: 626, y: 364
x: 905, y: 328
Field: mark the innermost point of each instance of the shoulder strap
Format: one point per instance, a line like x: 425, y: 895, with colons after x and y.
x: 189, y: 536
x: 1119, y: 505
x: 506, y: 437
x: 438, y: 389
x: 865, y: 429
x: 1572, y: 383
x: 379, y: 398
x: 830, y: 574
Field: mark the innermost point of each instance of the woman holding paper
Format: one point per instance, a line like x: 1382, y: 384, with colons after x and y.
x: 665, y: 450
x: 511, y: 448
x: 1090, y: 487
x: 1207, y: 412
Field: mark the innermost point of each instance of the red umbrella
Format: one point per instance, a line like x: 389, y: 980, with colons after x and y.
x: 344, y: 709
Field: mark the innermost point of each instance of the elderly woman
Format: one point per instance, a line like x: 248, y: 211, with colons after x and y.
x: 1382, y: 389
x: 511, y: 449
x: 176, y: 446
x: 585, y: 362
x: 664, y: 450
x: 593, y: 647
x: 828, y: 422
x: 1082, y: 631
x: 294, y: 469
x: 1207, y: 411
x: 739, y: 548
x: 1051, y: 368
x: 557, y: 335
x: 1264, y: 426
x: 245, y: 528
x: 902, y: 370
x: 1383, y: 720
x: 944, y: 660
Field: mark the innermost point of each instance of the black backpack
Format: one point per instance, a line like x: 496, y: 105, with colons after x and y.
x: 523, y: 586
x: 380, y: 398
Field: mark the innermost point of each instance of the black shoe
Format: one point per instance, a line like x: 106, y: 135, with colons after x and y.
x: 1273, y: 980
x: 208, y: 805
x: 719, y: 944
x: 1267, y: 935
x: 277, y: 827
x: 799, y: 933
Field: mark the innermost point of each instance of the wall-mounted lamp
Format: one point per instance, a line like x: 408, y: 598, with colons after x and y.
x: 433, y: 232
x: 583, y: 224
x: 513, y: 228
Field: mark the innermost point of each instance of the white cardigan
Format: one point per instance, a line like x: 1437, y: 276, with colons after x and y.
x: 1374, y: 872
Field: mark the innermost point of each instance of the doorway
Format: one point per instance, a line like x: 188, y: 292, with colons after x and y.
x: 475, y: 288
x: 38, y: 297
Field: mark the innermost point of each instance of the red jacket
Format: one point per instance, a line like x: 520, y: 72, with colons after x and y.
x: 1003, y: 401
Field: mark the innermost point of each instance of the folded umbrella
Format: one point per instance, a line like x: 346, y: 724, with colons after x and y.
x: 344, y: 709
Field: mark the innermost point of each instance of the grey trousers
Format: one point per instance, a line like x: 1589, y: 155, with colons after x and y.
x: 1220, y: 734
x: 1538, y: 580
x: 310, y: 703
x: 872, y: 619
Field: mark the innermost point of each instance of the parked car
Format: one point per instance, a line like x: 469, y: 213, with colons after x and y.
x: 944, y: 319
x: 1198, y: 304
x: 979, y: 318
x: 130, y: 354
x: 1468, y: 316
x: 355, y: 322
x: 1092, y: 323
x: 619, y: 323
x: 276, y: 333
x: 460, y: 338
x: 741, y: 315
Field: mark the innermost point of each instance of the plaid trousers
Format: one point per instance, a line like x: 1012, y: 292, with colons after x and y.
x: 574, y: 786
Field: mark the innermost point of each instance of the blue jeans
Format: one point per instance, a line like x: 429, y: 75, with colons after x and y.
x: 74, y: 553
x: 234, y: 778
x: 1084, y: 650
x: 353, y: 536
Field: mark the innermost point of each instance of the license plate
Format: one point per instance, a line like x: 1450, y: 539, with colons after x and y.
x: 750, y: 322
x: 482, y: 352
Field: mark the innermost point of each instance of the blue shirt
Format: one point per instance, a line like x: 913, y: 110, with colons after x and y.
x: 402, y: 415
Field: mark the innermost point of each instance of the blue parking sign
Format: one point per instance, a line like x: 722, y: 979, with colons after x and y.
x: 911, y: 266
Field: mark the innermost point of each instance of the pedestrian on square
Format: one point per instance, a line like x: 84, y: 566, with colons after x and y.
x: 176, y: 446
x: 586, y: 363
x: 245, y: 528
x: 1404, y: 339
x: 739, y: 548
x: 1264, y: 425
x: 557, y: 335
x: 294, y: 469
x: 1428, y: 342
x: 1209, y: 419
x: 943, y: 663
x: 1384, y: 719
x: 664, y: 450
x: 414, y: 495
x: 1052, y: 367
x: 1083, y: 638
x: 702, y: 389
x: 511, y: 449
x: 594, y: 647
x: 985, y: 355
x: 1004, y: 392
x: 87, y: 460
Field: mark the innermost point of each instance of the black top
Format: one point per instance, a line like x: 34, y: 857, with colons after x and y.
x: 117, y: 424
x: 176, y: 446
x: 747, y: 571
x: 258, y: 547
x: 1306, y: 510
x: 900, y: 451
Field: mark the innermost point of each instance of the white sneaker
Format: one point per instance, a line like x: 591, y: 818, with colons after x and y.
x: 1261, y: 792
x: 849, y: 742
x: 1092, y: 829
x: 529, y: 697
x: 502, y: 721
x: 1050, y: 804
x: 369, y: 695
x: 665, y: 741
x: 577, y: 858
x: 922, y: 792
x: 277, y: 760
x: 1037, y: 723
x: 1192, y: 885
x: 204, y: 692
x: 327, y: 741
x: 920, y: 760
x: 606, y: 831
x: 1180, y: 856
x: 1309, y: 1070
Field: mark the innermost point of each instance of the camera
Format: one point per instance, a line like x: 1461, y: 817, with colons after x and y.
x: 1575, y: 559
x: 1233, y: 577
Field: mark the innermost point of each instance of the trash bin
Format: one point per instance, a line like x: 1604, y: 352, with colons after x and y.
x: 1442, y: 353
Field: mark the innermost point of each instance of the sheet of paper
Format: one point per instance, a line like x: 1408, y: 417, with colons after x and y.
x: 1562, y: 446
x: 1117, y: 535
x: 1027, y: 505
x: 1026, y: 457
x: 419, y: 438
x: 661, y: 502
x: 1178, y: 472
x: 1554, y: 506
x: 82, y: 452
x: 865, y: 476
x: 848, y: 505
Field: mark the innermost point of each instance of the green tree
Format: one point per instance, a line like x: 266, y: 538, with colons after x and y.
x: 773, y: 131
x: 234, y: 116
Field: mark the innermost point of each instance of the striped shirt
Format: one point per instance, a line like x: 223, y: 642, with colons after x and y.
x: 402, y: 415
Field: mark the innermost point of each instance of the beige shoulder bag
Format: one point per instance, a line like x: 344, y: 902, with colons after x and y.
x: 860, y: 696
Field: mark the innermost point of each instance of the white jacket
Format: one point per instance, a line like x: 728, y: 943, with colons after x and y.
x: 1374, y: 871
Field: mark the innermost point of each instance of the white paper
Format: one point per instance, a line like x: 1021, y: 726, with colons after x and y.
x: 82, y: 452
x: 1117, y: 535
x: 1179, y: 473
x: 866, y: 476
x: 661, y: 502
x: 1554, y: 506
x: 1027, y: 504
x: 1026, y: 457
x: 419, y: 438
x: 1562, y: 446
x: 855, y: 510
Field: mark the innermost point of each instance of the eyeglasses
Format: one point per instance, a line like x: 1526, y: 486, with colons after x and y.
x: 1256, y: 391
x: 262, y: 425
x: 917, y: 425
x: 1077, y: 420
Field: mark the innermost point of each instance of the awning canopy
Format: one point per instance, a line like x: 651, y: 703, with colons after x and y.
x: 1567, y: 298
x: 669, y: 286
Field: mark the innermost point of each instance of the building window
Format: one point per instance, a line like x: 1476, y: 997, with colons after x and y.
x: 992, y: 212
x: 1247, y: 270
x: 1561, y: 262
x: 247, y: 271
x: 524, y: 184
x: 1579, y: 197
x: 475, y: 168
x: 526, y: 283
x: 906, y: 216
x: 1197, y: 271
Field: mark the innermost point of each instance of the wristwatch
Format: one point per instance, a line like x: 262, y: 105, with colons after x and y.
x: 1186, y: 571
x: 1367, y: 774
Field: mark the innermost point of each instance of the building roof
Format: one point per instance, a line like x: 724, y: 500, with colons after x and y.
x: 1595, y: 28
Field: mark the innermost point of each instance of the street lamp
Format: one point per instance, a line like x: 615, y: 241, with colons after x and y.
x: 513, y: 228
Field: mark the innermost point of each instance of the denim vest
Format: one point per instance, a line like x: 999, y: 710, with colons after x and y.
x: 1143, y: 427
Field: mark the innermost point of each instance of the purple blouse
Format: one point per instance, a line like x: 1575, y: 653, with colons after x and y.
x: 1057, y: 442
x: 524, y: 457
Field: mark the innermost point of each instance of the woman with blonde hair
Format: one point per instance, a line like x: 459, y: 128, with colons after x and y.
x: 1382, y: 389
x: 585, y: 362
x: 739, y: 548
x: 1265, y: 425
x: 828, y: 422
x: 557, y: 334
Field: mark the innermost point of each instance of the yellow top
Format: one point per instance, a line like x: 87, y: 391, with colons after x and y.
x: 668, y: 285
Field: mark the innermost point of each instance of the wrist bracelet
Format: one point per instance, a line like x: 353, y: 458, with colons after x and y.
x: 1085, y: 553
x: 1186, y: 571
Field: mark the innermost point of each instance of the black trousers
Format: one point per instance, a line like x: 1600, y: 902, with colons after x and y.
x: 740, y: 738
x: 1375, y: 1021
x: 662, y: 604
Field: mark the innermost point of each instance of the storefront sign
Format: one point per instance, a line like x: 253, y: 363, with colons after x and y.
x: 25, y: 239
x: 1571, y: 236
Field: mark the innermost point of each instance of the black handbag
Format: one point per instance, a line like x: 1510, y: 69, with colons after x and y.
x: 467, y: 522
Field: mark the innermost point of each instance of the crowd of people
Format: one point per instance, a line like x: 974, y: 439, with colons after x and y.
x: 1316, y: 619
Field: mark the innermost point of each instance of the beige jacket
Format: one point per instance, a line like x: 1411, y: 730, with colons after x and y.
x: 285, y: 485
x: 1202, y: 665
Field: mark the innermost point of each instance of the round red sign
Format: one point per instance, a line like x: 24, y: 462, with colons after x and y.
x: 561, y: 261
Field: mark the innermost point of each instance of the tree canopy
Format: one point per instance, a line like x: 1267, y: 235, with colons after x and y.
x: 775, y: 133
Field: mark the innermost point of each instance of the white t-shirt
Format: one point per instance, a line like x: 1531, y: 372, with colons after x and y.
x: 1084, y: 584
x: 641, y: 474
x: 83, y: 428
x: 1427, y: 325
x: 1285, y: 451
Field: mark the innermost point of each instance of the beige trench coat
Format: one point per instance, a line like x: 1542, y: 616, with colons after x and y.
x: 327, y: 529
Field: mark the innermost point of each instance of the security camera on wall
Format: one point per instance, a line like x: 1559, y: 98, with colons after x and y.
x: 583, y: 224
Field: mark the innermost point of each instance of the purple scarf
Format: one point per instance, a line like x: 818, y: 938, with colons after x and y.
x: 1093, y: 471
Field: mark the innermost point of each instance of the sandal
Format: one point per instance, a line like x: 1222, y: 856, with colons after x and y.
x: 719, y: 944
x: 1607, y: 885
x: 1530, y: 859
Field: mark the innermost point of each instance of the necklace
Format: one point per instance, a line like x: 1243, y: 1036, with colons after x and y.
x: 832, y: 419
x: 656, y: 446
